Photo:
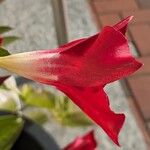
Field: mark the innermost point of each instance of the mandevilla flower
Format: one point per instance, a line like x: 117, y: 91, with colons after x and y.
x: 81, y: 69
x: 87, y: 142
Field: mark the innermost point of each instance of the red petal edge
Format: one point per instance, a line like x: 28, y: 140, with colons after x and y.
x: 94, y: 102
x: 87, y: 142
x: 122, y: 25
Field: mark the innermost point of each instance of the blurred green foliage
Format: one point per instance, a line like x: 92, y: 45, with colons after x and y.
x: 37, y: 97
x: 3, y: 52
x: 34, y: 103
x: 4, y: 29
x: 11, y: 127
x: 61, y: 107
x: 9, y: 39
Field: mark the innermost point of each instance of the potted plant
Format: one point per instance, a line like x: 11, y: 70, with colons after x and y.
x: 18, y: 131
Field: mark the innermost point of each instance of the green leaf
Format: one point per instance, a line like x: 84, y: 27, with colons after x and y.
x: 63, y: 110
x: 10, y: 84
x: 3, y: 52
x: 4, y: 29
x: 73, y: 119
x: 37, y: 97
x: 11, y: 127
x: 9, y: 101
x: 37, y: 115
x: 9, y: 39
x: 9, y: 105
x: 68, y: 114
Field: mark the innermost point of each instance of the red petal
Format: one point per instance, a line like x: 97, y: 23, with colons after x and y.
x: 97, y: 60
x: 94, y: 102
x: 122, y: 25
x: 113, y: 56
x: 87, y: 142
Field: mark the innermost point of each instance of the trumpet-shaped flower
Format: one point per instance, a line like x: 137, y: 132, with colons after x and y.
x: 81, y: 69
x: 86, y: 142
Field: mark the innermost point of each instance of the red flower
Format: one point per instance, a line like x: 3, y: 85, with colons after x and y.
x: 1, y: 40
x: 81, y: 69
x: 87, y: 142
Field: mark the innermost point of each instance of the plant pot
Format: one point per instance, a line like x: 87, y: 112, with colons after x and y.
x: 33, y: 137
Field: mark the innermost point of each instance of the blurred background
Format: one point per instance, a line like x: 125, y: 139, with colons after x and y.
x: 46, y: 24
